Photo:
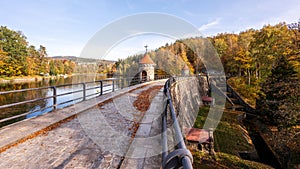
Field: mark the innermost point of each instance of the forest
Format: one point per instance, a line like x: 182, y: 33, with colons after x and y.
x: 18, y: 58
x: 262, y: 65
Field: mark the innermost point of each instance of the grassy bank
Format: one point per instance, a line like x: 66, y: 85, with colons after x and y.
x: 230, y: 138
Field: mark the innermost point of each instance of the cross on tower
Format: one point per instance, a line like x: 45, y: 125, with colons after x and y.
x: 146, y: 47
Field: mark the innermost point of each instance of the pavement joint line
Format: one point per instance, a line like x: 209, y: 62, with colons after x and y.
x: 126, y: 162
x: 63, y: 115
x: 37, y: 133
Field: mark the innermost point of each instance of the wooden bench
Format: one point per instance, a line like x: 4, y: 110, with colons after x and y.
x: 207, y: 100
x: 203, y: 138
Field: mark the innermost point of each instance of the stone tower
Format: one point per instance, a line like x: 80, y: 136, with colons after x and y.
x: 146, y: 68
x: 185, y: 71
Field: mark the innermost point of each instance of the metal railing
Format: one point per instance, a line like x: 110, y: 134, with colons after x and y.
x: 181, y: 156
x: 217, y: 89
x: 101, y: 87
x: 54, y: 97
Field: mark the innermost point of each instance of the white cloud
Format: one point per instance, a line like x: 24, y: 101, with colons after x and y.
x: 209, y: 25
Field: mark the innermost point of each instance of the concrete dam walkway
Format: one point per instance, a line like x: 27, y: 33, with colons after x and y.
x: 105, y: 132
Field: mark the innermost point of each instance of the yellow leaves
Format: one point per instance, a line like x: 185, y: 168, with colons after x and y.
x: 270, y: 57
x: 287, y: 51
x: 243, y: 56
x: 246, y: 91
x: 31, y: 66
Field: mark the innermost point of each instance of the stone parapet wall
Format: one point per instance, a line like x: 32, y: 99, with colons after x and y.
x: 186, y: 95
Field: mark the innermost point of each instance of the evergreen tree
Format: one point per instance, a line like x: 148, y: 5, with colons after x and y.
x: 280, y: 102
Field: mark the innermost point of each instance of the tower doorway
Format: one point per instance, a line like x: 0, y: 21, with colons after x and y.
x: 144, y: 76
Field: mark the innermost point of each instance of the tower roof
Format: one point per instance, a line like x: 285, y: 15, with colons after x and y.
x: 146, y: 60
x: 185, y: 67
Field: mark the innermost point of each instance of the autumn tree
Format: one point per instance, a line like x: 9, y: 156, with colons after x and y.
x: 294, y: 57
x: 42, y: 60
x: 3, y: 63
x: 271, y: 42
x: 52, y: 69
x: 15, y: 45
x: 226, y: 45
x: 243, y: 55
x: 20, y: 58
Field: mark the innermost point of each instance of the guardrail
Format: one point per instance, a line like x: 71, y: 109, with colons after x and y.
x: 181, y: 156
x: 100, y: 87
x: 54, y: 97
x: 221, y: 92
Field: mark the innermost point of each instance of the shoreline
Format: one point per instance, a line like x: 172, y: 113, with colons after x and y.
x: 25, y: 79
x: 37, y: 78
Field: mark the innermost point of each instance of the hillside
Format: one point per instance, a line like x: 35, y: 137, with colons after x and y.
x: 82, y: 60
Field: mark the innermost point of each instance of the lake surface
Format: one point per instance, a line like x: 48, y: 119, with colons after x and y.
x: 37, y: 107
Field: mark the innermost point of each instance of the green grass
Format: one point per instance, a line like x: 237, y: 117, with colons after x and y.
x: 229, y: 140
x: 202, y: 114
x: 228, y: 135
x: 223, y: 160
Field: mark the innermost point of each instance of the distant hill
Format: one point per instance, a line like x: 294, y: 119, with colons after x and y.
x: 82, y: 60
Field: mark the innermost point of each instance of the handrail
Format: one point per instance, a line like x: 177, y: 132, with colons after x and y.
x: 54, y: 96
x: 181, y: 156
x: 103, y: 85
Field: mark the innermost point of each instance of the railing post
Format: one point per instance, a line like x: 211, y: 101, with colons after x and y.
x: 211, y: 142
x: 83, y: 91
x: 113, y: 85
x: 54, y: 97
x: 101, y: 88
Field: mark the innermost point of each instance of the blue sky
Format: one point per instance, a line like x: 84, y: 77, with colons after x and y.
x: 65, y: 26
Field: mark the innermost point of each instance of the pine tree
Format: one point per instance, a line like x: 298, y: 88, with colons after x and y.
x: 280, y: 103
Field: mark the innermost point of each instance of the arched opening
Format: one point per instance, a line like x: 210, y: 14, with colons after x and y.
x: 144, y: 76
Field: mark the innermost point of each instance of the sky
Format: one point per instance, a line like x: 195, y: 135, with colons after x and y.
x: 65, y: 26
